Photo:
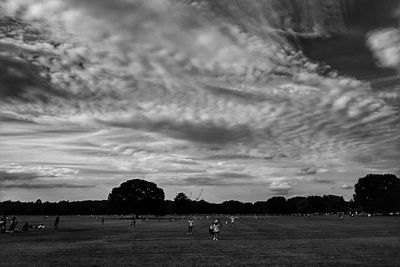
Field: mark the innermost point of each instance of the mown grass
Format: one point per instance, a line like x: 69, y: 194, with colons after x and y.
x: 277, y: 241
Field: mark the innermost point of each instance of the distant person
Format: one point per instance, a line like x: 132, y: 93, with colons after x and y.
x: 133, y: 224
x: 102, y: 220
x: 211, y: 230
x: 26, y: 227
x: 216, y: 226
x: 56, y: 222
x: 232, y: 220
x: 3, y: 223
x: 190, y: 226
x: 13, y: 225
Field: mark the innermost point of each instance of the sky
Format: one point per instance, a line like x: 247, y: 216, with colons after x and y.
x: 196, y: 96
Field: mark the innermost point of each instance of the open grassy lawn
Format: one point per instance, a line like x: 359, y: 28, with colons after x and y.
x: 287, y: 240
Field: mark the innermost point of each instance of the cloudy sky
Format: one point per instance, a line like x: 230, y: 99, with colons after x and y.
x: 194, y: 95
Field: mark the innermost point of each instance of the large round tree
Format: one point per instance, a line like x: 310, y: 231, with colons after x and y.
x: 378, y: 193
x: 137, y: 196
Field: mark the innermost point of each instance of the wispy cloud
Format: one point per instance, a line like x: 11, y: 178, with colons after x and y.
x: 155, y: 89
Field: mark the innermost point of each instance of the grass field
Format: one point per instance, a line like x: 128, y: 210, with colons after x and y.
x: 277, y: 241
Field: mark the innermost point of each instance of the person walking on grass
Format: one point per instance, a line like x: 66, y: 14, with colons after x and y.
x: 190, y: 226
x: 56, y: 222
x: 216, y: 227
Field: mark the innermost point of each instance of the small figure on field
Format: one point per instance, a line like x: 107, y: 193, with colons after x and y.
x: 133, y: 223
x: 232, y: 220
x: 3, y: 223
x: 57, y: 221
x: 13, y: 225
x: 211, y: 230
x: 190, y: 226
x: 26, y: 227
x: 216, y: 226
x: 102, y: 220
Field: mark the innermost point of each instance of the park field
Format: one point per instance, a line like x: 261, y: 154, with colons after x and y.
x: 262, y: 241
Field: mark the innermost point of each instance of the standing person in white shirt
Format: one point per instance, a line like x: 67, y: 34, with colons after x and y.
x: 190, y: 227
x: 216, y: 228
x: 232, y: 220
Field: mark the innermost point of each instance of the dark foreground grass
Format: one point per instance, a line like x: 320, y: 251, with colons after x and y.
x: 276, y: 241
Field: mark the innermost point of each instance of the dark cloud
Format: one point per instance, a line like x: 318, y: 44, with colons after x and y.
x: 29, y: 181
x: 18, y: 78
x: 233, y: 157
x: 181, y: 171
x: 323, y: 181
x: 208, y: 133
x: 279, y: 191
x: 316, y: 180
x: 236, y: 94
x: 307, y: 171
x: 17, y: 176
x: 182, y: 161
x: 14, y: 120
x: 103, y: 171
x: 45, y: 186
x: 206, y: 181
x: 234, y: 175
x: 280, y: 187
x: 215, y: 179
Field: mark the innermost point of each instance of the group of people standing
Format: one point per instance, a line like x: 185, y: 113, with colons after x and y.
x: 3, y: 224
x: 25, y: 228
x: 214, y: 229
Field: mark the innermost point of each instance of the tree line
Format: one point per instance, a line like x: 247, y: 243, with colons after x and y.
x: 373, y: 194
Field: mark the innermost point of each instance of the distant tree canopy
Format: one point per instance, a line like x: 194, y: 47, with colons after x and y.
x: 373, y: 193
x: 137, y: 196
x: 378, y: 193
x: 276, y: 205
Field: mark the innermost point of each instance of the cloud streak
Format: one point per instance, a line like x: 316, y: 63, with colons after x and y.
x: 161, y: 88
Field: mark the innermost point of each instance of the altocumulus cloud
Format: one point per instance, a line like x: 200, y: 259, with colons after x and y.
x: 153, y: 85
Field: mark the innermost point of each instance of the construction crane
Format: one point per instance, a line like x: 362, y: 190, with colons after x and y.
x: 201, y: 192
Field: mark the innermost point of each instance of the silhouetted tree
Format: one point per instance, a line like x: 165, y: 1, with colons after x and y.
x: 236, y: 207
x: 333, y: 204
x: 182, y: 204
x: 297, y: 205
x: 260, y: 207
x: 276, y: 205
x: 378, y: 193
x: 316, y: 204
x: 137, y: 196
